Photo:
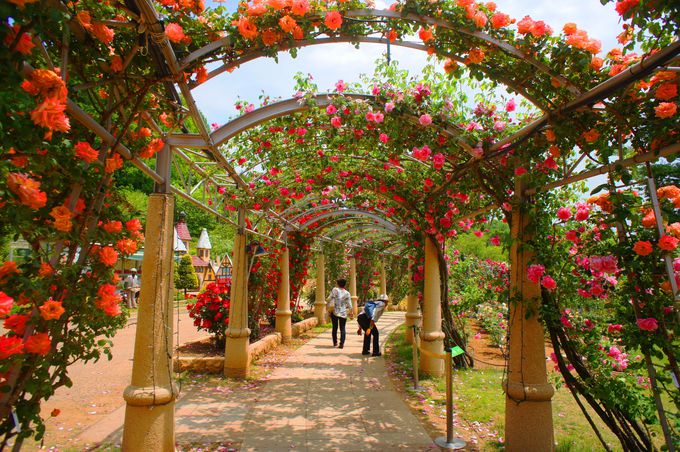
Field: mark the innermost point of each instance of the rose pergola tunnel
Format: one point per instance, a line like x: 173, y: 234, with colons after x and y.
x: 390, y: 172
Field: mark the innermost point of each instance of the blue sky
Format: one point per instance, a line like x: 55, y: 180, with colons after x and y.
x: 330, y: 63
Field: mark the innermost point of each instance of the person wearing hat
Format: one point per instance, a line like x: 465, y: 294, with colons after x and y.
x: 131, y: 285
x: 372, y: 311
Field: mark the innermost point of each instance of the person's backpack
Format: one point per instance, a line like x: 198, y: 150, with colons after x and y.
x: 369, y: 308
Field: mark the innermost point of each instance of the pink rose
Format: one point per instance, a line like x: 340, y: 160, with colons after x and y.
x: 548, y: 283
x: 425, y: 120
x: 648, y: 324
x: 534, y: 273
x: 564, y: 213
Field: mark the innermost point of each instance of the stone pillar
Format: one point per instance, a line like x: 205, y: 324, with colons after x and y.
x: 283, y: 312
x: 383, y: 284
x: 353, y: 285
x: 528, y: 411
x: 413, y: 315
x: 320, y: 304
x: 150, y: 398
x: 236, y: 356
x: 431, y: 335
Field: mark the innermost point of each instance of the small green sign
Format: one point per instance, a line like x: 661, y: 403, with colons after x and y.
x: 455, y: 351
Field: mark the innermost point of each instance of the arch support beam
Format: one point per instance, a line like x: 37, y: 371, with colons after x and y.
x: 320, y: 304
x: 432, y: 336
x: 528, y: 410
x: 236, y: 356
x: 283, y: 312
x: 353, y: 285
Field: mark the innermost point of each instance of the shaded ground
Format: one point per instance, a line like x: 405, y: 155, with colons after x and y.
x: 98, y: 387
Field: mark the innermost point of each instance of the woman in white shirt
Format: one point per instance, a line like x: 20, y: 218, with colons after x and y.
x: 339, y: 306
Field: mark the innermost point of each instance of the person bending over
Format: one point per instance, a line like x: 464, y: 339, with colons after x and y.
x: 367, y: 323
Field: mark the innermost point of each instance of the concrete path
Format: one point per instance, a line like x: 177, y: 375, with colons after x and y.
x: 320, y: 399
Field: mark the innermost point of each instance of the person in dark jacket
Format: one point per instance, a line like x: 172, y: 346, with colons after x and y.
x: 367, y: 323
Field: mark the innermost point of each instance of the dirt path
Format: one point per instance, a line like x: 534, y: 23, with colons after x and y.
x: 98, y: 387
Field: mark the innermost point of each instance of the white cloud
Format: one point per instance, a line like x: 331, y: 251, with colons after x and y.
x: 331, y: 62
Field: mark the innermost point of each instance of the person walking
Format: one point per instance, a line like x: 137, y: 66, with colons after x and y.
x: 367, y: 323
x: 339, y: 306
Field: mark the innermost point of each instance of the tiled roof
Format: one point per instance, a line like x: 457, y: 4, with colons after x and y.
x: 198, y: 262
x: 183, y: 231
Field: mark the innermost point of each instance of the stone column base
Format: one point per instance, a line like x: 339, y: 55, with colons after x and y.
x: 284, y: 325
x: 434, y: 343
x: 237, y: 358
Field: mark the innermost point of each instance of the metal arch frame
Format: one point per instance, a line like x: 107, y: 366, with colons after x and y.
x: 272, y: 111
x: 352, y: 213
x: 387, y: 14
x: 519, y: 88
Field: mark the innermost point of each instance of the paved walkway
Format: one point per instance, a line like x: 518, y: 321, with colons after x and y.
x: 321, y: 398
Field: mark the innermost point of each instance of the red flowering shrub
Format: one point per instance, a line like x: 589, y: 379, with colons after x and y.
x: 210, y: 311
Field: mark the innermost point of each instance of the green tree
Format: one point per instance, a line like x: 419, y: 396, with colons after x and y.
x: 185, y: 275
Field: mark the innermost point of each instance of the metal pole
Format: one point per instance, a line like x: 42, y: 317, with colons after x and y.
x: 416, y: 344
x: 449, y: 442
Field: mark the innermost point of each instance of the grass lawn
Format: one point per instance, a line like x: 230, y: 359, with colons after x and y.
x: 479, y: 402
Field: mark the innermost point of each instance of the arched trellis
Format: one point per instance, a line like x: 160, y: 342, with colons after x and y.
x: 161, y: 175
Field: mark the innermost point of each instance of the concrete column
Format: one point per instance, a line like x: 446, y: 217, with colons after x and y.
x: 320, y: 304
x: 528, y: 411
x: 236, y: 357
x: 383, y: 278
x: 353, y: 285
x: 383, y: 284
x: 431, y: 335
x: 283, y: 312
x: 149, y: 414
x: 413, y: 315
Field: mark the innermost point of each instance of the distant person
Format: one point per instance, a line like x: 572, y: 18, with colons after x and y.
x: 367, y: 323
x: 339, y: 305
x: 131, y: 285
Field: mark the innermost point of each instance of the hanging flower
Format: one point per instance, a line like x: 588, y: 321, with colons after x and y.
x: 174, y: 32
x: 665, y: 110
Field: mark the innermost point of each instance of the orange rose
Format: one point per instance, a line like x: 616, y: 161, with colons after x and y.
x: 45, y: 270
x: 668, y: 192
x: 51, y: 310
x: 113, y: 163
x: 108, y: 256
x: 475, y: 56
x: 666, y: 91
x: 665, y: 110
x: 668, y: 243
x: 62, y: 218
x: 287, y: 23
x: 126, y: 246
x: 39, y: 344
x: 425, y: 34
x: 333, y: 20
x: 643, y: 248
x: 649, y: 220
x: 300, y: 7
x: 674, y: 229
x: 246, y: 28
x: 27, y: 189
x: 591, y: 136
x: 174, y: 32
x: 85, y: 152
